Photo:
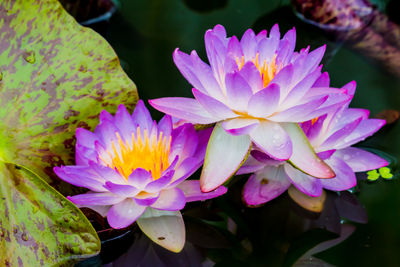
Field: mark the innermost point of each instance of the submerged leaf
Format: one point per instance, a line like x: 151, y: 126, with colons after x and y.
x: 38, y: 226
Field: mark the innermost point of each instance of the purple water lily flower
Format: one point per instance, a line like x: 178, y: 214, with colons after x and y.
x: 331, y: 136
x: 135, y: 167
x: 256, y: 90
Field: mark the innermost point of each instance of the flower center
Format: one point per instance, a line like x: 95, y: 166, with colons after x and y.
x: 267, y: 70
x: 149, y: 153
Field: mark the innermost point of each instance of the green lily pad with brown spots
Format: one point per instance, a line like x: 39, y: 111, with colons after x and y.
x: 55, y: 76
x: 38, y: 226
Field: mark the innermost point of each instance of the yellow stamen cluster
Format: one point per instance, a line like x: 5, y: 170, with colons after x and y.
x: 149, y: 153
x: 267, y: 70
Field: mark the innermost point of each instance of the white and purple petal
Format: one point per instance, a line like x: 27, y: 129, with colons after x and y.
x: 170, y: 199
x: 345, y: 177
x: 192, y: 192
x: 360, y: 160
x: 183, y: 108
x: 95, y: 199
x: 124, y: 213
x: 225, y: 154
x: 305, y: 183
x: 272, y: 139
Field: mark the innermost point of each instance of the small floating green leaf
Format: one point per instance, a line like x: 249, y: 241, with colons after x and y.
x: 385, y: 173
x: 373, y: 175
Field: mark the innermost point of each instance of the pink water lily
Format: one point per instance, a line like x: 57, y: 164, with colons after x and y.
x: 256, y: 90
x: 331, y: 136
x: 137, y: 169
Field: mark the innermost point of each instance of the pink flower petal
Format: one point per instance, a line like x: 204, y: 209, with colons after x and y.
x: 338, y: 136
x: 239, y: 126
x: 184, y: 170
x: 264, y: 102
x: 82, y: 176
x: 272, y: 139
x: 183, y: 108
x: 274, y: 33
x: 249, y: 45
x: 365, y: 129
x: 253, y: 77
x: 86, y: 138
x: 107, y: 132
x: 234, y: 48
x: 265, y: 185
x: 160, y: 183
x: 141, y: 116
x: 238, y: 91
x: 305, y: 183
x: 139, y: 178
x: 184, y: 62
x: 303, y: 156
x: 165, y: 126
x: 125, y: 213
x: 125, y: 124
x: 170, y: 199
x: 107, y: 173
x: 192, y: 191
x: 206, y: 77
x: 299, y: 113
x: 251, y: 165
x: 267, y: 49
x: 314, y: 58
x: 95, y: 199
x: 216, y: 53
x: 284, y: 79
x: 213, y: 106
x: 322, y: 81
x: 184, y: 142
x: 344, y: 179
x: 300, y: 89
x: 360, y: 160
x: 121, y: 189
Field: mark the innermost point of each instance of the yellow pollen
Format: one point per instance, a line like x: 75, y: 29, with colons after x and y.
x: 267, y: 70
x: 314, y: 120
x: 149, y: 153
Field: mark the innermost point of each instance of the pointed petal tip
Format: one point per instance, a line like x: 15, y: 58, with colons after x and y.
x: 208, y: 187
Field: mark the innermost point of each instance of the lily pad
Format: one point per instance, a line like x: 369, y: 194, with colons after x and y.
x: 55, y: 76
x: 38, y: 226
